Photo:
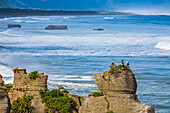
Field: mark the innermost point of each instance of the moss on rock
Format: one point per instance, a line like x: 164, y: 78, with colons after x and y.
x: 97, y: 94
x: 8, y: 86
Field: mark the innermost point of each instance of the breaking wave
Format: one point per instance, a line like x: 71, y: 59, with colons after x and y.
x: 163, y: 45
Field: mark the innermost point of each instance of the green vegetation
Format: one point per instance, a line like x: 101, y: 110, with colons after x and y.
x: 117, y: 69
x: 8, y: 86
x: 65, y: 91
x: 34, y: 75
x: 57, y: 100
x: 22, y: 105
x: 97, y: 94
x: 109, y: 111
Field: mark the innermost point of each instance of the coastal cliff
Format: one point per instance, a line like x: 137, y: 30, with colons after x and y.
x: 117, y: 94
x: 4, y: 100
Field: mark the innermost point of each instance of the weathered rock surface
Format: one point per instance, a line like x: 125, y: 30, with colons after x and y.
x: 22, y: 83
x: 94, y: 105
x: 53, y: 27
x: 119, y: 88
x: 14, y: 26
x: 78, y: 99
x: 4, y: 100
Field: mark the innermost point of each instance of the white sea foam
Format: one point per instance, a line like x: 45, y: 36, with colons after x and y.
x: 71, y: 78
x: 6, y: 73
x: 80, y: 87
x: 42, y: 18
x: 66, y: 17
x: 25, y: 21
x: 163, y: 45
x: 109, y: 18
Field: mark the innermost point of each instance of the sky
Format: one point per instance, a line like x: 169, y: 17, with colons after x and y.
x: 150, y: 6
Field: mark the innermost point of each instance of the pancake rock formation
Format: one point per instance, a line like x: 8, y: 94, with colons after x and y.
x: 4, y: 100
x: 117, y: 93
x: 22, y: 83
x: 14, y: 26
x: 25, y: 84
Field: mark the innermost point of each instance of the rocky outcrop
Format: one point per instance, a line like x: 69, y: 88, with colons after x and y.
x: 14, y: 26
x: 4, y: 100
x: 94, y: 105
x: 78, y: 101
x: 99, y: 29
x: 53, y: 27
x: 22, y: 83
x: 119, y: 88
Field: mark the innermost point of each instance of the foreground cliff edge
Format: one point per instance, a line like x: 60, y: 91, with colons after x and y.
x: 117, y: 93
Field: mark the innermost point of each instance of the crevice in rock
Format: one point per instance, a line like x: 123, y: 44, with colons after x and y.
x: 108, y: 105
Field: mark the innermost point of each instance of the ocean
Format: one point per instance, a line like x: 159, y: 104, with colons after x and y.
x: 70, y: 57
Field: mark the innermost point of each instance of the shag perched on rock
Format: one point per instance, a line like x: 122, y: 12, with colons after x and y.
x: 122, y: 63
x: 113, y: 62
x: 127, y: 63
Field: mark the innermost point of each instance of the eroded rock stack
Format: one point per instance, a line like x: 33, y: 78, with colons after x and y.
x: 119, y: 93
x: 4, y: 100
x: 22, y: 83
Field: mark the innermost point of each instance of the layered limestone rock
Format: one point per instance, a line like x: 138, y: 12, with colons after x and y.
x: 119, y: 88
x: 22, y: 83
x: 4, y: 100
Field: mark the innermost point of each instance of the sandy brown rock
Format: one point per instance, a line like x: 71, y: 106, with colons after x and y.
x: 4, y: 100
x: 94, y: 105
x: 119, y: 87
x: 77, y: 99
x: 22, y: 83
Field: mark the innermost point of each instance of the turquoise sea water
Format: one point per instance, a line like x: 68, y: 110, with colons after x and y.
x: 70, y: 57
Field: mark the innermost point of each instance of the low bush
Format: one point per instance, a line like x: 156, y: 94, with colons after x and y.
x: 8, y: 86
x: 64, y: 91
x: 22, y: 105
x: 57, y: 100
x: 109, y: 111
x: 117, y: 69
x: 97, y: 94
x: 34, y: 75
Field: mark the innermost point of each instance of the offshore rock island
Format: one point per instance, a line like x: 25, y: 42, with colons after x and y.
x: 117, y: 94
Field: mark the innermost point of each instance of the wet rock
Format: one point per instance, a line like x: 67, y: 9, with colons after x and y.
x: 14, y: 26
x: 53, y: 27
x: 99, y: 29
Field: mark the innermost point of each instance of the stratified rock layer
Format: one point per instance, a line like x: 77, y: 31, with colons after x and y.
x: 119, y: 87
x: 4, y: 100
x: 22, y: 83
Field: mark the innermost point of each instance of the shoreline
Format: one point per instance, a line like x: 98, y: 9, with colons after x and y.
x: 7, y: 12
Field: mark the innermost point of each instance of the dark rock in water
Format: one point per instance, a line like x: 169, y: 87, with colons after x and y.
x: 99, y: 29
x: 14, y: 26
x: 53, y: 27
